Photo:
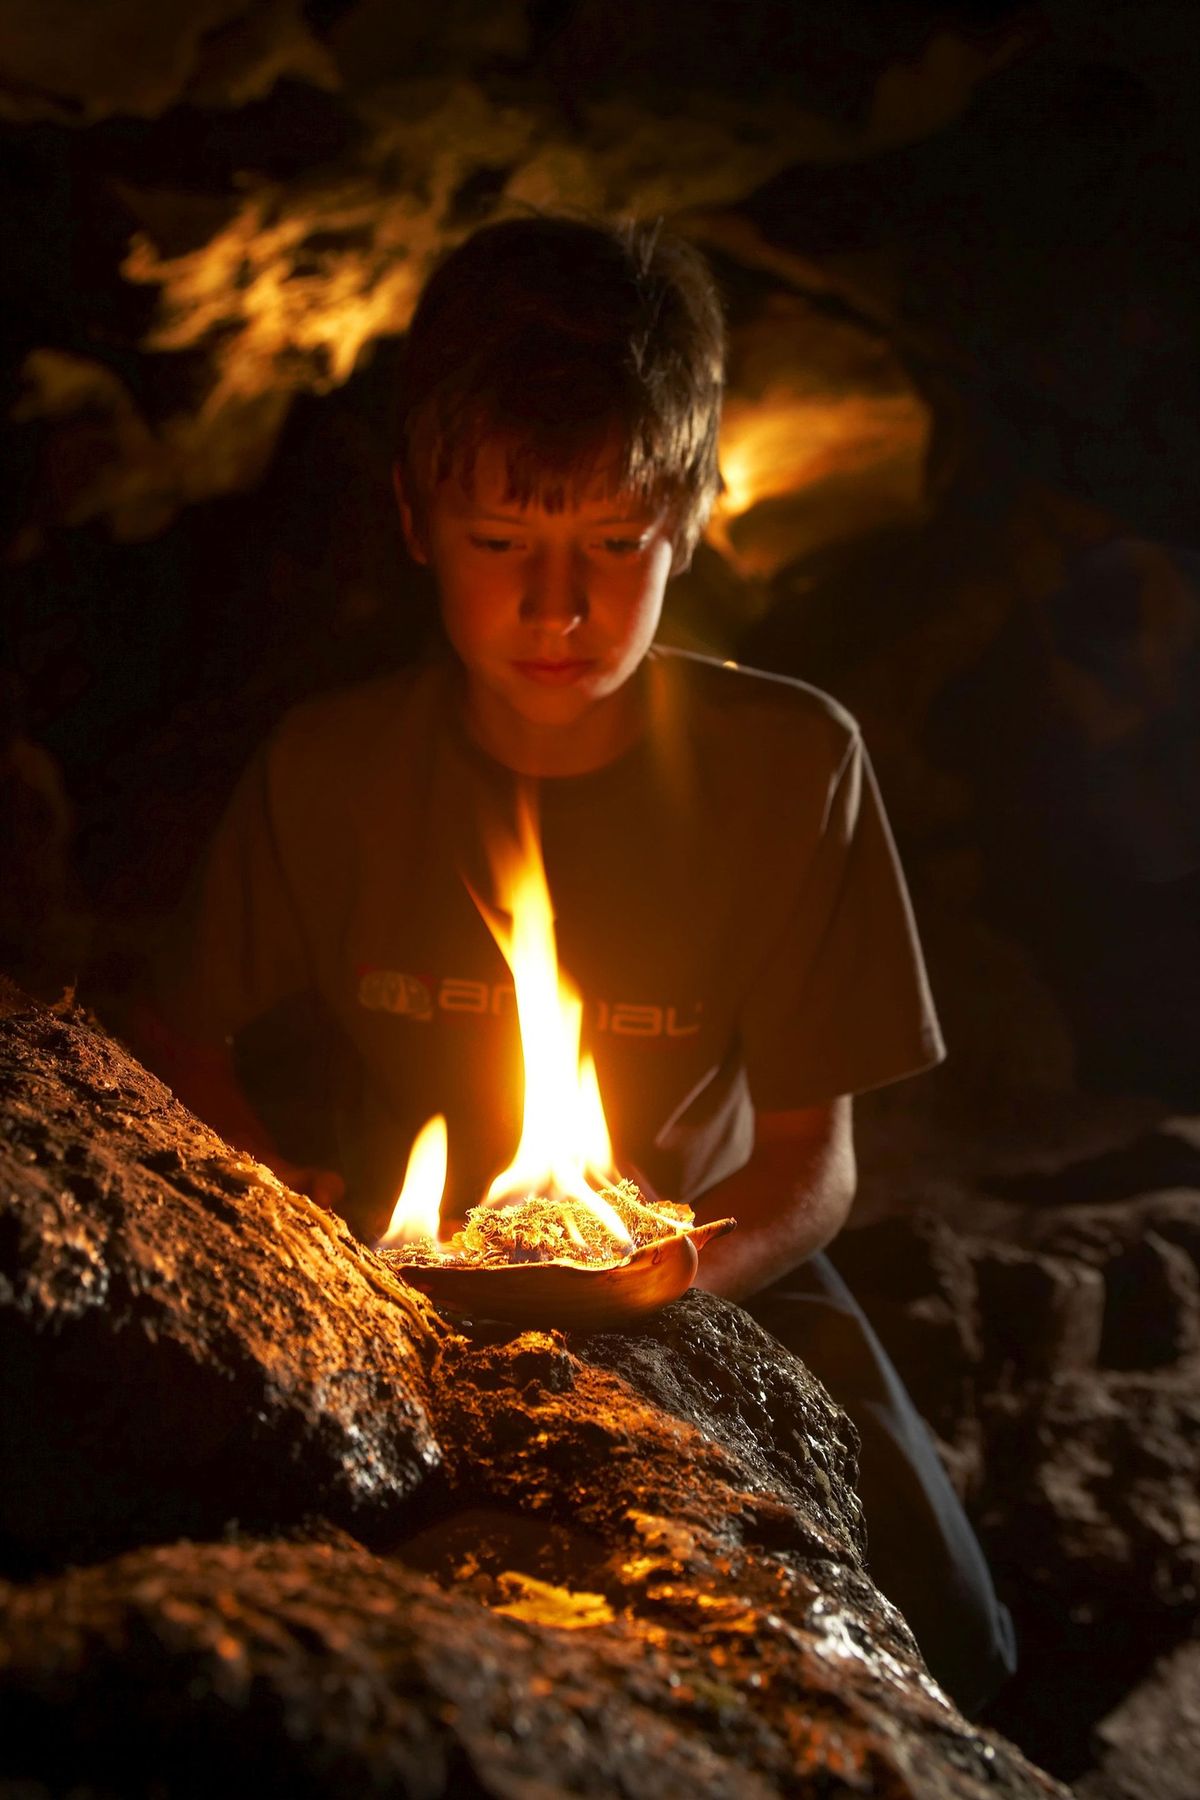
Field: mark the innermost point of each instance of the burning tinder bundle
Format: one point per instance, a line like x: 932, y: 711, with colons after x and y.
x: 543, y: 1229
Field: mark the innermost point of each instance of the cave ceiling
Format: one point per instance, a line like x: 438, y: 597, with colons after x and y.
x: 216, y: 207
x: 254, y: 194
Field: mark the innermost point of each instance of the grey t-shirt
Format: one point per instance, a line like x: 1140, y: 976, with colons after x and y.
x: 727, y: 896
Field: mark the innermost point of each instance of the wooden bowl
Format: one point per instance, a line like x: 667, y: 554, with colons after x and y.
x: 575, y: 1299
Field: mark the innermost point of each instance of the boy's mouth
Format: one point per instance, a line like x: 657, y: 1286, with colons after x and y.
x: 552, y: 672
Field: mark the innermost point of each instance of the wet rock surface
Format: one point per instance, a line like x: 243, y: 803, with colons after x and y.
x: 182, y: 1340
x: 625, y: 1563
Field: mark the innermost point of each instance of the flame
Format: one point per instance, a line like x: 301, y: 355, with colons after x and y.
x: 417, y: 1212
x: 565, y: 1152
x: 565, y: 1145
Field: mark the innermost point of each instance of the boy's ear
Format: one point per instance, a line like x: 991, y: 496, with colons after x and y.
x: 412, y: 537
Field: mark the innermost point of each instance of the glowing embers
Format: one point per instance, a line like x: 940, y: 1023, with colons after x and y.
x: 560, y: 1209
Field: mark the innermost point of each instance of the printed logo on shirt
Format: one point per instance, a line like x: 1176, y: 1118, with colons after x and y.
x: 420, y: 997
x: 387, y: 990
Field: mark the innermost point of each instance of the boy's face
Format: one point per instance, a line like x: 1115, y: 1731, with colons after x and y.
x: 551, y: 613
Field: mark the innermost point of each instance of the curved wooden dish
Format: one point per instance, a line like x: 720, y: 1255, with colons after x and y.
x: 560, y: 1294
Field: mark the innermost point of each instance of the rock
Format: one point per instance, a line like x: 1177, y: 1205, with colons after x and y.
x: 1175, y: 1213
x: 1090, y: 1515
x: 315, y: 1670
x: 1073, y: 1434
x: 623, y: 1563
x: 1138, y: 1168
x: 799, y: 375
x: 1151, y: 1283
x: 1093, y: 1487
x: 200, y: 51
x: 1152, y: 1307
x: 1151, y: 1743
x: 349, y: 236
x: 709, y: 1363
x: 182, y: 1341
x: 1041, y: 1315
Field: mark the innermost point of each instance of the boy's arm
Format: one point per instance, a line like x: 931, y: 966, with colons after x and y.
x: 203, y: 1077
x: 789, y: 1200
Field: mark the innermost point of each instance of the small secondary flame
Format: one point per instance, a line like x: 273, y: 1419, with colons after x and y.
x: 417, y: 1213
x: 565, y: 1152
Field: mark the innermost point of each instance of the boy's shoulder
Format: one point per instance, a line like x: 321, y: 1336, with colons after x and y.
x: 750, y: 712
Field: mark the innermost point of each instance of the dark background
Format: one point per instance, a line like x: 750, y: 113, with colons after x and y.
x: 958, y: 241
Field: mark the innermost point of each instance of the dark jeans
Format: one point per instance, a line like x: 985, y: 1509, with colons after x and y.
x: 922, y: 1551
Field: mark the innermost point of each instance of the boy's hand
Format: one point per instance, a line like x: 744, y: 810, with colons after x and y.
x: 789, y: 1199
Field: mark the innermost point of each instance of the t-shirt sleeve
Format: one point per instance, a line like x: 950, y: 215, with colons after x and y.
x: 238, y: 948
x: 840, y: 1002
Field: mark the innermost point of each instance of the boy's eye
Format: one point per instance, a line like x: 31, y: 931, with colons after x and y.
x: 623, y: 546
x: 495, y: 544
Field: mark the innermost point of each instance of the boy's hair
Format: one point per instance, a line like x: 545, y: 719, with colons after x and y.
x: 576, y: 344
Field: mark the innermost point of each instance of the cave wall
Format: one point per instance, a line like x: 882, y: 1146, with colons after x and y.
x: 959, y: 446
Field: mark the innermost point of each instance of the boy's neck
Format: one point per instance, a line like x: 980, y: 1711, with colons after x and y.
x: 603, y: 735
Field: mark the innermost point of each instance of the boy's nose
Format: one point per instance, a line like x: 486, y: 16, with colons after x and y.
x: 555, y: 594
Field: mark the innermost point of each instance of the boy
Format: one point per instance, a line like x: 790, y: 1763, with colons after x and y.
x: 727, y: 894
